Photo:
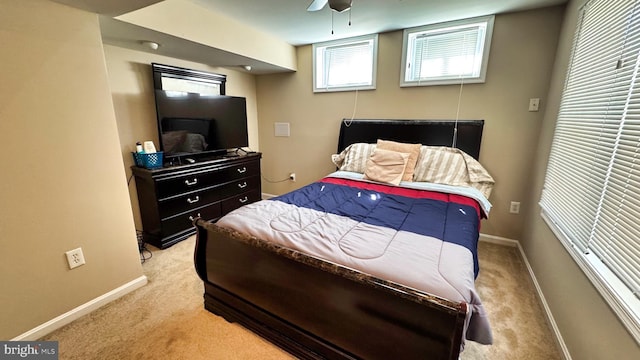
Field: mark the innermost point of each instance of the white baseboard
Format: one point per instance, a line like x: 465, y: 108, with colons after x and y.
x: 550, y: 319
x: 266, y: 196
x: 62, y: 320
x: 499, y: 240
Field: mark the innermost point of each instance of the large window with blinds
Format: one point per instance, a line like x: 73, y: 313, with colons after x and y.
x: 346, y: 64
x: 591, y: 195
x: 446, y: 53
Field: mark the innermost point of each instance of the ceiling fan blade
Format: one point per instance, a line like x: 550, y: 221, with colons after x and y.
x: 317, y: 5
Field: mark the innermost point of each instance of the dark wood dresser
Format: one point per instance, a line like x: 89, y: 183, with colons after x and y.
x: 171, y: 197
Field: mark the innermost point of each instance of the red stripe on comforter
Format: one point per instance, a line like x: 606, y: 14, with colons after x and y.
x: 402, y: 191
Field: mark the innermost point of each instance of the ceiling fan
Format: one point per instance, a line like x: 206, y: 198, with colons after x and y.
x: 336, y: 5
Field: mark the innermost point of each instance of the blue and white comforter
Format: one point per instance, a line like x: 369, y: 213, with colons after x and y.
x: 419, y: 238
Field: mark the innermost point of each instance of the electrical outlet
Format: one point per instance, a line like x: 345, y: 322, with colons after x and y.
x: 292, y: 176
x: 515, y: 207
x: 75, y: 258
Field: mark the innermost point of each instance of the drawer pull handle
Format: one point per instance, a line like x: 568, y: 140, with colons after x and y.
x: 193, y: 218
x: 194, y: 200
x: 244, y: 199
x: 243, y: 170
x: 191, y: 183
x: 243, y: 185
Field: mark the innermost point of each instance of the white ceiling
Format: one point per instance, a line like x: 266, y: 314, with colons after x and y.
x: 289, y: 21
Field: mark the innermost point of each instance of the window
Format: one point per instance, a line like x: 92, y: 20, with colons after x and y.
x: 446, y: 53
x: 591, y: 195
x: 167, y: 77
x: 348, y: 64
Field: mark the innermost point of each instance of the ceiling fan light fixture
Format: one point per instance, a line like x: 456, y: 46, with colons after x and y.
x: 340, y: 5
x: 335, y: 5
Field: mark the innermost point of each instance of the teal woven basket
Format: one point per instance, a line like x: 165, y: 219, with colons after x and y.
x: 149, y: 161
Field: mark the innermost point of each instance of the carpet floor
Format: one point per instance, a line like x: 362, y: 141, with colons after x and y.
x: 166, y: 319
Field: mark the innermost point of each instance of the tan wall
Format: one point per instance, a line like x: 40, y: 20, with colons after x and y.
x: 588, y: 326
x: 63, y: 181
x: 133, y: 98
x: 520, y: 64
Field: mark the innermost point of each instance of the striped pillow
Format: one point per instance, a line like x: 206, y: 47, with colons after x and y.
x: 354, y: 157
x: 445, y: 165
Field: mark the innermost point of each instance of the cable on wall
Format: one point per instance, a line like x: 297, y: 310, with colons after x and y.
x: 273, y: 181
x: 145, y: 254
x: 347, y: 123
x: 455, y: 127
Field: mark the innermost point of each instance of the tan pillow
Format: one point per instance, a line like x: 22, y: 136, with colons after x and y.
x: 412, y: 149
x: 386, y: 166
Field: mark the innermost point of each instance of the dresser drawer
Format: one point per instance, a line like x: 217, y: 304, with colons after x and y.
x: 240, y: 200
x: 186, y: 202
x: 205, y: 178
x: 184, y: 221
x: 238, y: 187
x: 178, y: 204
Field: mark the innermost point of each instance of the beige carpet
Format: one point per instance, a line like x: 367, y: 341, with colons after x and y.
x: 166, y: 318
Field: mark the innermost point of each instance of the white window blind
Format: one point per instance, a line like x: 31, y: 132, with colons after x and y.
x: 345, y: 64
x: 200, y: 87
x: 445, y: 53
x: 591, y: 196
x: 452, y: 53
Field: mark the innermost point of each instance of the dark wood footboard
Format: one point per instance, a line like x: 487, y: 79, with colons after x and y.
x: 315, y: 309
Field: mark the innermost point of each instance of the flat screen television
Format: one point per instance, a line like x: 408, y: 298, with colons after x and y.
x: 195, y: 125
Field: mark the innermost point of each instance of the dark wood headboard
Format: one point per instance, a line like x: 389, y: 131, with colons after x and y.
x: 425, y: 132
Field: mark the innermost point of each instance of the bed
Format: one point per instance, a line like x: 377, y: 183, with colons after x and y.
x: 347, y: 267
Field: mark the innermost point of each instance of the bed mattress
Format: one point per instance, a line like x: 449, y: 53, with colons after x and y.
x: 407, y: 234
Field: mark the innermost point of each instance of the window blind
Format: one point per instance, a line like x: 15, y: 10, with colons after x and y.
x: 592, y: 186
x: 450, y: 53
x: 346, y: 64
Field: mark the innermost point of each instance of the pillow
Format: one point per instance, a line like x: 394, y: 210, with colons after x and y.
x: 354, y: 157
x: 451, y: 166
x: 386, y: 166
x: 412, y: 149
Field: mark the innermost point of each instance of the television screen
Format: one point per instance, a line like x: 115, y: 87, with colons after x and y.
x: 191, y: 123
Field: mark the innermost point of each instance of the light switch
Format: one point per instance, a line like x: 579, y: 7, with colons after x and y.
x: 281, y: 129
x: 534, y: 104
